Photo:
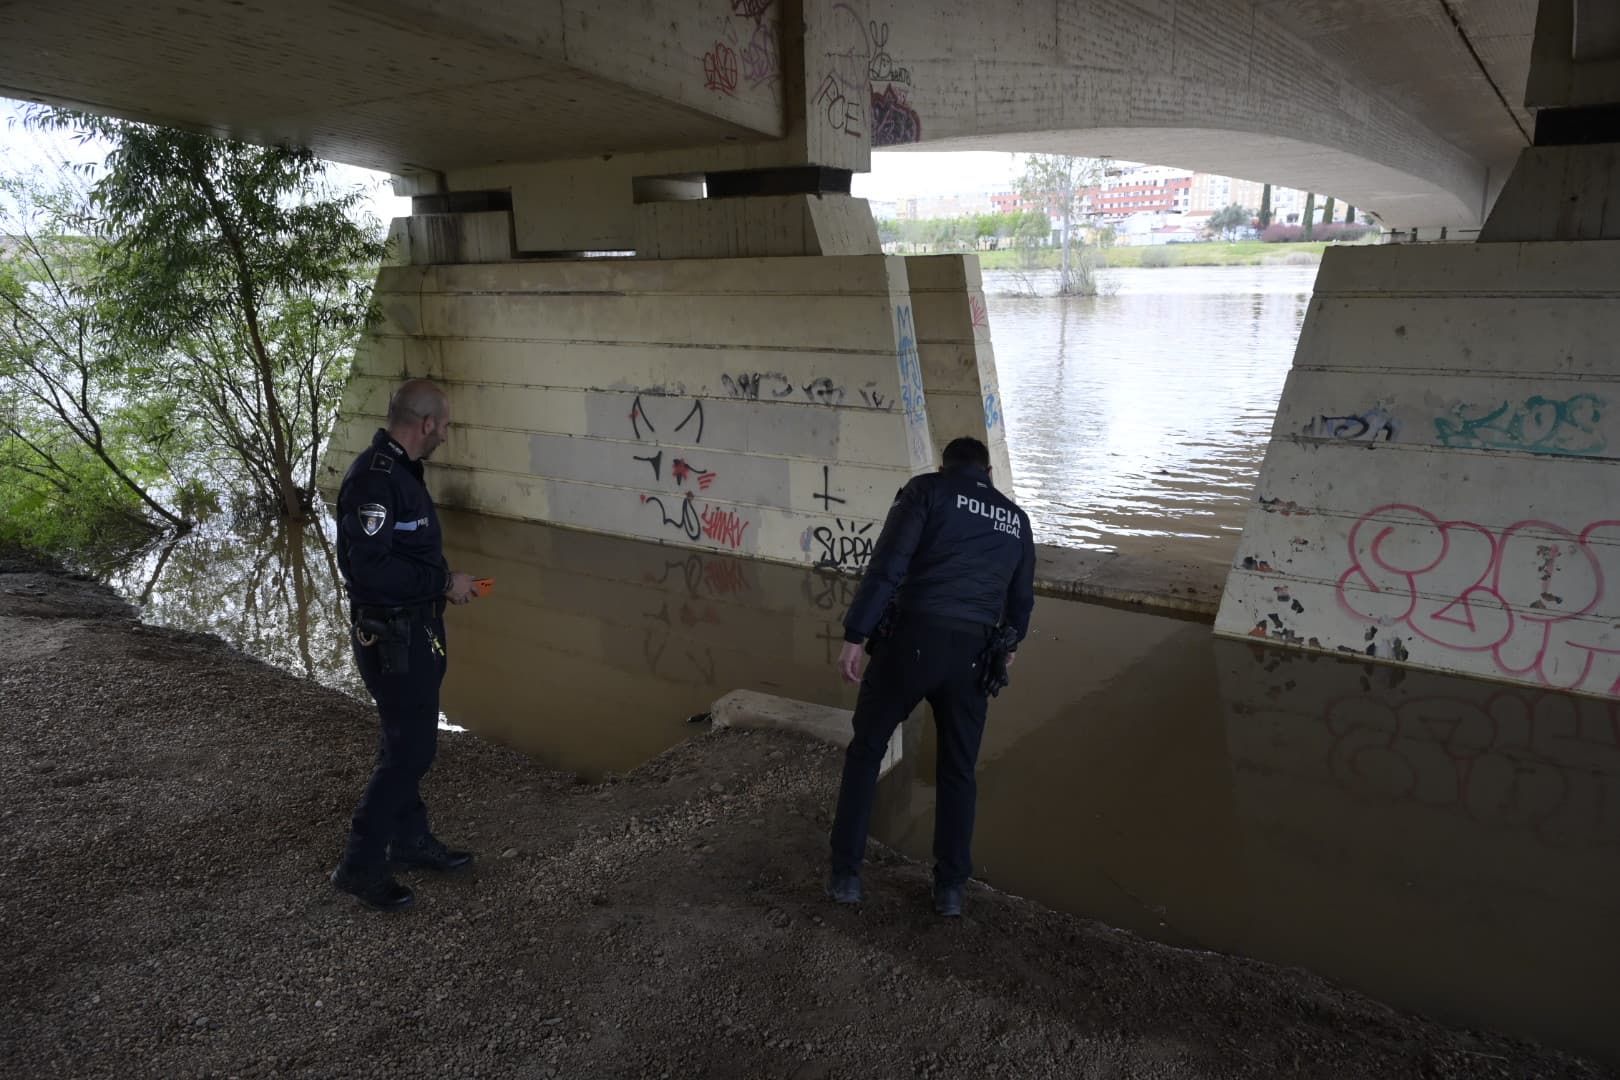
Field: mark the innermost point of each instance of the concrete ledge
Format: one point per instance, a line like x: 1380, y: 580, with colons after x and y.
x: 1186, y: 589
x: 750, y: 709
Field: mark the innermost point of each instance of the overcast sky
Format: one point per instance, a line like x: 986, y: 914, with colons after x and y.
x: 893, y: 175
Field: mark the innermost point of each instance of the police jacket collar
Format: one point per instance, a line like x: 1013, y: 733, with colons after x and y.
x: 384, y: 441
x: 975, y: 472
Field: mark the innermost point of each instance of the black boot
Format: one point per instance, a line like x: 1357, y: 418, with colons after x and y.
x: 427, y: 853
x: 375, y: 889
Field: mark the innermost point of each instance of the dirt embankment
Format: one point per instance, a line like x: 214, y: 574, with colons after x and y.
x: 169, y: 810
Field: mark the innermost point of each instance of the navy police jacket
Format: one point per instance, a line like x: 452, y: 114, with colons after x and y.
x: 953, y: 547
x: 389, y: 549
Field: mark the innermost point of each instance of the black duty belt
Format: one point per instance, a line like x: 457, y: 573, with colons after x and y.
x: 426, y: 611
x: 941, y: 622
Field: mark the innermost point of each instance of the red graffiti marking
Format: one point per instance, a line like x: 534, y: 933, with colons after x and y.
x: 724, y: 526
x: 682, y: 469
x: 720, y: 69
x: 1520, y: 594
x: 981, y: 317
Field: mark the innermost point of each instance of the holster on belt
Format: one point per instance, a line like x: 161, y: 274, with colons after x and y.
x: 993, y: 673
x: 388, y: 630
x: 884, y: 629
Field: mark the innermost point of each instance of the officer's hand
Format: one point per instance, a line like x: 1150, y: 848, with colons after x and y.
x: 461, y: 588
x: 1011, y: 657
x: 850, y: 661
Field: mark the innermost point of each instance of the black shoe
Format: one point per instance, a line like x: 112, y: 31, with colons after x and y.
x: 427, y: 853
x: 376, y: 890
x: 844, y: 888
x: 948, y: 900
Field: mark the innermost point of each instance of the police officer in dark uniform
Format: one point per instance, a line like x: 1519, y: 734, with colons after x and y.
x: 391, y: 554
x: 957, y: 561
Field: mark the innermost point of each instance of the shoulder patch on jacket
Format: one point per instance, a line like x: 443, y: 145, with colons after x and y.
x: 382, y: 463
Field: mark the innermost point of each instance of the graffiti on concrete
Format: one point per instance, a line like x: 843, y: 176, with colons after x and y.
x: 843, y: 545
x: 682, y: 470
x: 825, y: 494
x: 840, y: 111
x: 992, y: 412
x: 639, y: 420
x: 912, y: 398
x: 980, y: 314
x: 1532, y: 596
x: 1371, y: 426
x: 687, y: 521
x: 720, y: 69
x: 1541, y: 425
x: 761, y: 57
x: 724, y: 526
x: 894, y: 121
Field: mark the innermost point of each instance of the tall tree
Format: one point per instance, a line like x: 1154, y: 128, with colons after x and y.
x: 1349, y: 214
x: 68, y: 421
x: 1310, y: 215
x: 1328, y: 211
x: 1230, y: 218
x: 1058, y: 183
x: 1265, y: 208
x: 242, y: 260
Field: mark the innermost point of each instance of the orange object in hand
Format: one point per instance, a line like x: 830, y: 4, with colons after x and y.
x: 483, y: 586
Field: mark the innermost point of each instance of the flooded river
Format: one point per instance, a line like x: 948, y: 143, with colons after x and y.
x: 1445, y: 845
x: 1137, y: 419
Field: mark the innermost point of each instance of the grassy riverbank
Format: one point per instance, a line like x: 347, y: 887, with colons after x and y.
x: 1239, y: 253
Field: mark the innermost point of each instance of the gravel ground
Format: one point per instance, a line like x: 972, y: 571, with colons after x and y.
x: 169, y: 810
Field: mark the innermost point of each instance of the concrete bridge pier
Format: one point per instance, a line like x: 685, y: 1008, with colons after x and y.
x: 1439, y: 486
x: 701, y: 347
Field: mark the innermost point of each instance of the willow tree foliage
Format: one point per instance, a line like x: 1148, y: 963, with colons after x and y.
x: 240, y: 274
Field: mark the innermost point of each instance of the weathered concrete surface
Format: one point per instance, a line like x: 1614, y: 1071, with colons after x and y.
x: 1438, y: 489
x: 765, y: 406
x: 1169, y: 586
x: 669, y: 921
x: 753, y: 711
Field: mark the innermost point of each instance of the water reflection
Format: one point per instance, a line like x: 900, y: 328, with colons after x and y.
x: 1137, y: 420
x: 1445, y: 845
x: 272, y: 592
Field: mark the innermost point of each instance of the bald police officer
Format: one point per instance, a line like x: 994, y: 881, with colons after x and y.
x: 957, y: 559
x: 391, y: 554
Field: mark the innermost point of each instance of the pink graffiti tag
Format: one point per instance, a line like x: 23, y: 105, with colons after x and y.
x: 1522, y: 594
x: 981, y: 317
x: 724, y: 526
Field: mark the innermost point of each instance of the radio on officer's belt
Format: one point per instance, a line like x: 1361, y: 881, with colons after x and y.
x: 483, y: 586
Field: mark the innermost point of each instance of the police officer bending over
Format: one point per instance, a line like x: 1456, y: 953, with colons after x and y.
x: 957, y: 559
x: 391, y: 554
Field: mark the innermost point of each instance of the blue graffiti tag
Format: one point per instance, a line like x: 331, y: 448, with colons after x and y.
x: 1540, y: 426
x: 992, y: 412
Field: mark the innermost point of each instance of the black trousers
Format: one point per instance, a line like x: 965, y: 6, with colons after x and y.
x: 939, y: 663
x: 391, y: 807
